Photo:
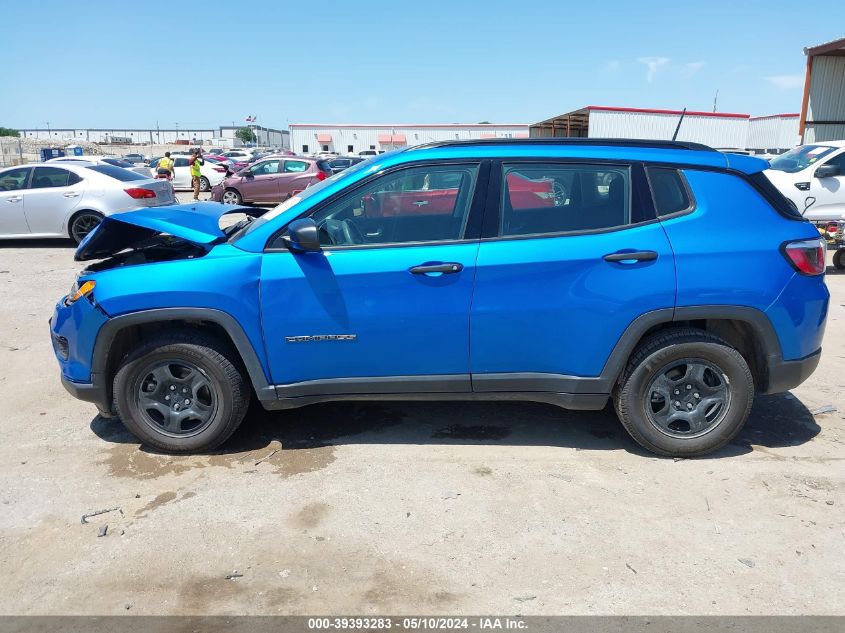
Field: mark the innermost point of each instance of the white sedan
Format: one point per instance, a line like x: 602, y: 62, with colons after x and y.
x: 211, y: 173
x: 69, y: 199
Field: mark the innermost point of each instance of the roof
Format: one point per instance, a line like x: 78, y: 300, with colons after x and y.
x: 776, y: 116
x: 729, y: 115
x: 407, y: 125
x: 572, y: 141
x: 833, y: 47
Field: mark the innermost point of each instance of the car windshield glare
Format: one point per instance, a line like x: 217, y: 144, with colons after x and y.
x: 118, y: 173
x: 800, y: 158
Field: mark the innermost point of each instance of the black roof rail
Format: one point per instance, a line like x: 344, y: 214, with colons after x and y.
x: 569, y: 140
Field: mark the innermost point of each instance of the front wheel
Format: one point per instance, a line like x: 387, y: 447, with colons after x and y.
x: 838, y: 256
x: 181, y: 392
x: 684, y: 393
x: 231, y: 196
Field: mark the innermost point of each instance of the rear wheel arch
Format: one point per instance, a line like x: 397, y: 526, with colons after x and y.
x: 120, y: 335
x: 75, y: 214
x: 746, y: 329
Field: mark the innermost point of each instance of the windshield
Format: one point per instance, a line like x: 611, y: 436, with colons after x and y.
x: 303, y: 195
x: 800, y: 158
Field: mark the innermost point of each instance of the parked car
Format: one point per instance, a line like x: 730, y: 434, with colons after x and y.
x: 417, y: 275
x: 68, y: 199
x: 211, y: 173
x: 271, y: 180
x: 816, y: 172
x: 368, y: 153
x: 135, y: 159
x: 239, y: 155
x: 345, y: 162
x: 103, y: 160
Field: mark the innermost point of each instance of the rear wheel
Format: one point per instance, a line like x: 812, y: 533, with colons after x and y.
x: 838, y: 262
x: 205, y: 185
x: 231, y: 196
x: 181, y: 392
x: 684, y: 393
x: 82, y: 224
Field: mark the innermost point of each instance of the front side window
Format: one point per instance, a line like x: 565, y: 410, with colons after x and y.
x: 14, y: 179
x: 46, y: 177
x: 839, y: 161
x: 418, y: 204
x: 562, y: 198
x: 295, y: 166
x: 265, y: 168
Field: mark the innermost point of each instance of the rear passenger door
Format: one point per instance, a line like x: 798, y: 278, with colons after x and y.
x: 571, y: 255
x: 296, y: 176
x: 52, y: 196
x: 181, y: 173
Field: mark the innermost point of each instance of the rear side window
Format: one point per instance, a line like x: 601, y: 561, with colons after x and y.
x: 669, y: 190
x: 118, y: 173
x: 563, y: 198
x: 118, y: 163
x: 296, y: 166
x: 46, y: 177
x: 180, y: 162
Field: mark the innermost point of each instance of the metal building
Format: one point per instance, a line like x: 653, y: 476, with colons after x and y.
x: 352, y: 138
x: 773, y: 134
x: 717, y: 129
x: 823, y: 104
x: 120, y: 136
x: 265, y: 136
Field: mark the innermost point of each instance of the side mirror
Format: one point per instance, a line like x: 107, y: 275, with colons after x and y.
x: 827, y: 171
x: 303, y: 236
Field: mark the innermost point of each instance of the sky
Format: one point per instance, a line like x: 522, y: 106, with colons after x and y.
x: 201, y: 64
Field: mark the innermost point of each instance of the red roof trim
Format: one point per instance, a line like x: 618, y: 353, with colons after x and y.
x: 724, y: 115
x: 403, y: 126
x: 775, y: 116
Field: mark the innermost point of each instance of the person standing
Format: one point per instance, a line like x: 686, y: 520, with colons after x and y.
x: 195, y: 162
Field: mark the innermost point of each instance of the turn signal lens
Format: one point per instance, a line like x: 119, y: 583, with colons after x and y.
x: 77, y: 293
x: 806, y: 256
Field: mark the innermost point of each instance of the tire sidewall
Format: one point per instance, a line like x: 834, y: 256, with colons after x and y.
x: 737, y: 376
x: 838, y: 264
x: 128, y: 378
x: 76, y: 218
x: 239, y: 199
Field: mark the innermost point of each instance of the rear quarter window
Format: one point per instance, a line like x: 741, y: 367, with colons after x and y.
x: 118, y: 173
x: 669, y: 191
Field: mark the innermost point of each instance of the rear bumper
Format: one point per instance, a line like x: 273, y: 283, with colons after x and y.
x: 788, y: 374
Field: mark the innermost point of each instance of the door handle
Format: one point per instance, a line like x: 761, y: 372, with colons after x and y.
x: 639, y: 256
x: 447, y: 268
x: 71, y: 194
x: 14, y: 199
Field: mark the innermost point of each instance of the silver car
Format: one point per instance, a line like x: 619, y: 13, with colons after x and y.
x: 69, y: 199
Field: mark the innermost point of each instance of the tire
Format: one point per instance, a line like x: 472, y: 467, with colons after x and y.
x: 83, y: 223
x: 205, y: 185
x: 158, y: 368
x: 667, y: 363
x: 231, y: 196
x: 838, y: 264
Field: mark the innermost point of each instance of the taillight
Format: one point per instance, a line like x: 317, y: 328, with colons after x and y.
x: 321, y: 175
x: 222, y: 170
x: 140, y: 192
x: 806, y: 256
x: 831, y: 227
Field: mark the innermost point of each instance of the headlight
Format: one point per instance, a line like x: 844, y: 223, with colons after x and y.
x: 77, y: 291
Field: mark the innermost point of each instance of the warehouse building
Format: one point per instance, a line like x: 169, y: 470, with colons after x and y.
x: 121, y: 136
x: 716, y: 129
x: 266, y: 136
x: 352, y: 138
x: 773, y: 134
x: 823, y: 104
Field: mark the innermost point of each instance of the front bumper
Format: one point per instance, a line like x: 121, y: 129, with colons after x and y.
x: 94, y: 392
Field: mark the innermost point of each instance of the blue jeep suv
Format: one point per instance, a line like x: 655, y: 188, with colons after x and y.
x: 667, y: 277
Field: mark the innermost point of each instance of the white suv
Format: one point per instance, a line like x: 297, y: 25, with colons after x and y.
x: 813, y: 177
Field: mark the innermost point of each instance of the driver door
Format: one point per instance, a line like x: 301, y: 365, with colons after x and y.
x: 829, y: 192
x: 260, y: 182
x: 384, y: 307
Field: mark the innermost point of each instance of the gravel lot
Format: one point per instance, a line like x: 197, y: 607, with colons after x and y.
x: 446, y: 508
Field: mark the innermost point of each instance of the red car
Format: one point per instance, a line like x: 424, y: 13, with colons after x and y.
x: 271, y: 180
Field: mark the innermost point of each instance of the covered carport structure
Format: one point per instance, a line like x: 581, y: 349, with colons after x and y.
x: 823, y: 105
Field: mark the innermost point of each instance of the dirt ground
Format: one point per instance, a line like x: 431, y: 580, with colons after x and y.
x: 435, y: 508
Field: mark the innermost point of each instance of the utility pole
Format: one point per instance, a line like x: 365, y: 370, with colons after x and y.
x: 715, y: 99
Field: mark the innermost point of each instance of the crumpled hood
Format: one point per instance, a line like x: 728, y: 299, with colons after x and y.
x: 198, y: 223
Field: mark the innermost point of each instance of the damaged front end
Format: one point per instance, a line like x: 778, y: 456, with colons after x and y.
x: 155, y: 235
